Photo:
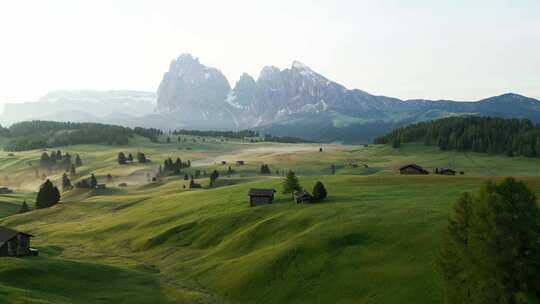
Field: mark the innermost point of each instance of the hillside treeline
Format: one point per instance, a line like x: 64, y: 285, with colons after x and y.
x: 227, y: 134
x: 513, y: 137
x: 46, y: 134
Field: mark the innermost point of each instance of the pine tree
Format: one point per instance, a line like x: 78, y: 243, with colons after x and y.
x: 291, y: 183
x: 24, y: 207
x: 333, y: 169
x: 186, y: 177
x: 47, y: 196
x: 490, y: 250
x: 130, y: 158
x: 45, y: 160
x: 66, y: 183
x: 213, y: 177
x: 78, y: 160
x: 141, y: 158
x: 72, y: 171
x: 121, y: 158
x: 229, y: 171
x: 93, y: 181
x: 319, y: 191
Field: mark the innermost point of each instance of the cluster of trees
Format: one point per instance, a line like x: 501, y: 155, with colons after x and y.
x: 150, y: 133
x: 490, y: 251
x: 175, y: 167
x: 265, y: 170
x: 4, y: 132
x: 123, y: 159
x: 47, y: 134
x: 56, y: 158
x: 227, y: 134
x: 291, y: 184
x: 284, y: 139
x: 478, y: 134
x: 87, y: 183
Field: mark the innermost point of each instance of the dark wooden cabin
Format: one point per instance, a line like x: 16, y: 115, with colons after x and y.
x: 303, y: 197
x: 412, y: 169
x: 14, y: 243
x: 240, y: 162
x: 447, y: 171
x: 5, y: 190
x: 259, y: 197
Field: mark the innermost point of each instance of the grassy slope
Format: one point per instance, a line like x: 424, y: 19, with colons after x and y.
x: 373, y: 241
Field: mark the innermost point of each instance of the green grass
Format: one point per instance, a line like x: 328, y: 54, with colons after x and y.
x: 372, y: 241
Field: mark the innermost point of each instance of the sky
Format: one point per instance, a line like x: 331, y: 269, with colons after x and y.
x: 461, y: 50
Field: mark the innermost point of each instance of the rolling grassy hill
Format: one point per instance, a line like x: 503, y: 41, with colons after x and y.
x: 372, y: 241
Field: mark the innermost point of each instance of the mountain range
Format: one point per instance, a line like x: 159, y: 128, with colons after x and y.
x: 295, y: 101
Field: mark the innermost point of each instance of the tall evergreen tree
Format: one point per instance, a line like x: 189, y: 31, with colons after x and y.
x: 213, y: 177
x: 48, y: 195
x: 66, y: 183
x: 24, y: 207
x: 319, y: 191
x: 490, y: 251
x: 141, y: 158
x: 121, y: 158
x: 291, y: 184
x: 78, y: 160
x: 93, y: 181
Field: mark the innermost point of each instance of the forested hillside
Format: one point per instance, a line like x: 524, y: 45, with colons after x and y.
x: 42, y: 134
x: 512, y: 137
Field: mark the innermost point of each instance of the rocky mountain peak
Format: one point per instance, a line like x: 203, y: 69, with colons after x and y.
x: 269, y: 73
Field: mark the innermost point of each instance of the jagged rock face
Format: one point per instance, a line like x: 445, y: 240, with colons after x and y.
x: 191, y: 84
x: 196, y: 96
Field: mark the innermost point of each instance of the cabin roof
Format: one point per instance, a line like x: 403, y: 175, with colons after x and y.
x: 7, y: 234
x: 301, y: 194
x: 415, y: 166
x: 261, y: 192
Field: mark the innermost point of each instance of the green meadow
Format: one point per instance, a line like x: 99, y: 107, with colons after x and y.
x: 372, y: 241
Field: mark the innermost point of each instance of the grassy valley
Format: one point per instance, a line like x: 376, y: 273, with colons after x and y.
x: 372, y: 241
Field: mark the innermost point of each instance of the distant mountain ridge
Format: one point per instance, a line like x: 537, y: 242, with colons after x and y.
x: 82, y: 105
x: 295, y: 101
x: 298, y: 101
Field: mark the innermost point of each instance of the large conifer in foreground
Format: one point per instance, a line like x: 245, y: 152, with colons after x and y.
x: 47, y: 196
x: 490, y: 252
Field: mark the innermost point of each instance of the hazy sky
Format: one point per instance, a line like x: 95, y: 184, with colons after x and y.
x: 455, y: 49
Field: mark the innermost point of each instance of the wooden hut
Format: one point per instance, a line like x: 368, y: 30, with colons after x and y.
x: 240, y: 162
x: 303, y: 197
x: 259, y: 197
x: 14, y: 243
x: 447, y: 171
x: 412, y: 169
x: 5, y: 190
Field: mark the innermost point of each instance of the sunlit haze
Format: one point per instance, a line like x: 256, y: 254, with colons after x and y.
x: 462, y: 50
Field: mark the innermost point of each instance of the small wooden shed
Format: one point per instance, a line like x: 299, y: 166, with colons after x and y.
x: 259, y: 197
x: 447, y: 171
x: 14, y: 243
x: 412, y: 169
x: 303, y: 197
x: 240, y: 163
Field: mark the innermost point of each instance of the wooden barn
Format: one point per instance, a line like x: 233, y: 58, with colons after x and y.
x: 447, y: 171
x: 5, y: 190
x: 303, y: 197
x: 412, y: 169
x: 258, y: 197
x: 14, y: 243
